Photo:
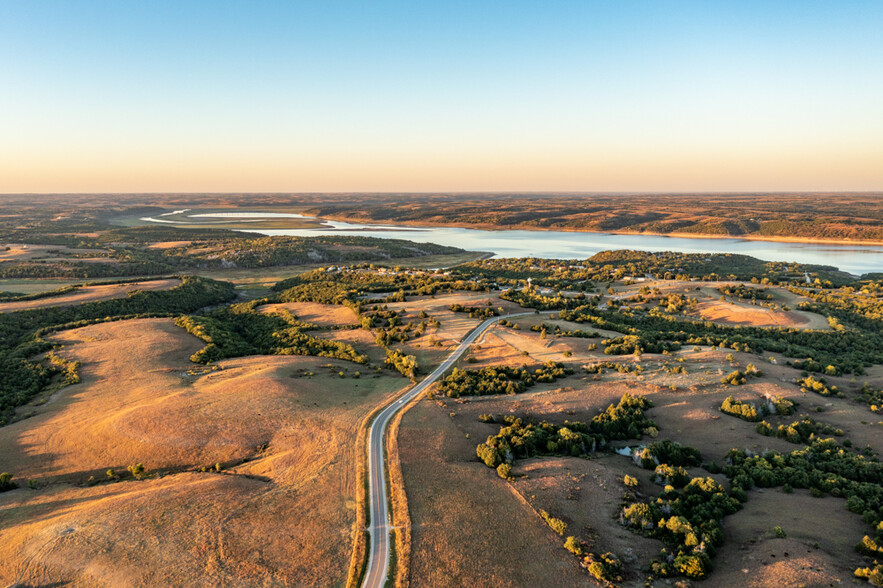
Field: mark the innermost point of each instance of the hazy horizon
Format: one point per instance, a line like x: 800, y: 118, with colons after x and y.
x: 103, y: 97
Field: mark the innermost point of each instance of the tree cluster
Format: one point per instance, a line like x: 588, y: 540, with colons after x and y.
x: 500, y: 379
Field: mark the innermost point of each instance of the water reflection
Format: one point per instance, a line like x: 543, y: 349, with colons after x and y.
x: 855, y: 259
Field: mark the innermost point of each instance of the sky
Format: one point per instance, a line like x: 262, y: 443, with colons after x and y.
x: 423, y: 96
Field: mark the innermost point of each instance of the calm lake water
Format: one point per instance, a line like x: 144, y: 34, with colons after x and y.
x: 855, y: 259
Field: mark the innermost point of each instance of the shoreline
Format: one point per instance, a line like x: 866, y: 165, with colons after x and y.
x: 490, y: 227
x: 310, y: 222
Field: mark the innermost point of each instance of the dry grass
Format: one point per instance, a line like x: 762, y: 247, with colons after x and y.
x: 313, y: 312
x: 287, y: 445
x: 733, y: 311
x: 469, y: 528
x: 817, y: 552
x: 285, y: 509
x: 169, y: 244
x: 729, y: 313
x: 586, y: 494
x: 19, y: 252
x: 90, y: 294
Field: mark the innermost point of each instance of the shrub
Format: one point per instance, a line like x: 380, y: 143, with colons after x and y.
x: 573, y: 545
x: 819, y: 386
x: 489, y: 455
x: 138, y: 471
x: 744, y: 410
x: 734, y: 378
x: 504, y: 470
x: 874, y: 575
x: 6, y: 482
x: 607, y: 568
x: 556, y: 525
x: 869, y: 546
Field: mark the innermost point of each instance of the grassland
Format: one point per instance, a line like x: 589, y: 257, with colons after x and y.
x: 284, y: 442
x: 252, y: 461
x: 87, y: 293
x: 468, y: 525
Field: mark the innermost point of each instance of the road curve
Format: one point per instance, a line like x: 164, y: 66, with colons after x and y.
x: 378, y: 556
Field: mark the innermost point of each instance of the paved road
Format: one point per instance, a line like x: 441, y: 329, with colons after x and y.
x: 378, y: 557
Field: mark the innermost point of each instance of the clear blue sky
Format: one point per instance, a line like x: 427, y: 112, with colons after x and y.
x: 340, y: 96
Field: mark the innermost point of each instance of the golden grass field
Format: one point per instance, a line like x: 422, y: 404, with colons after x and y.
x: 90, y: 294
x: 324, y: 315
x: 471, y: 528
x: 282, y: 510
x: 286, y: 445
x: 30, y: 252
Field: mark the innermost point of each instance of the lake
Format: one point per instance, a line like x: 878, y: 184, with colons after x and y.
x: 856, y: 259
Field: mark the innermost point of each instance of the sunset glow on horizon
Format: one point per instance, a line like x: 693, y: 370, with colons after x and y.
x: 444, y: 96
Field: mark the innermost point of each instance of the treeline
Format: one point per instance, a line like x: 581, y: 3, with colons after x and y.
x: 672, y: 265
x: 519, y: 439
x: 810, y: 216
x: 482, y: 312
x: 499, y: 379
x: 543, y: 329
x: 622, y: 368
x: 353, y: 283
x: 22, y: 333
x: 531, y: 298
x: 240, y: 330
x: 625, y: 264
x: 636, y: 344
x: 745, y: 292
x: 846, y: 350
x: 804, y: 430
x: 546, y: 273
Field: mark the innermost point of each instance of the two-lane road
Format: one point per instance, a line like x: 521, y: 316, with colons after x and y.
x: 378, y: 557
